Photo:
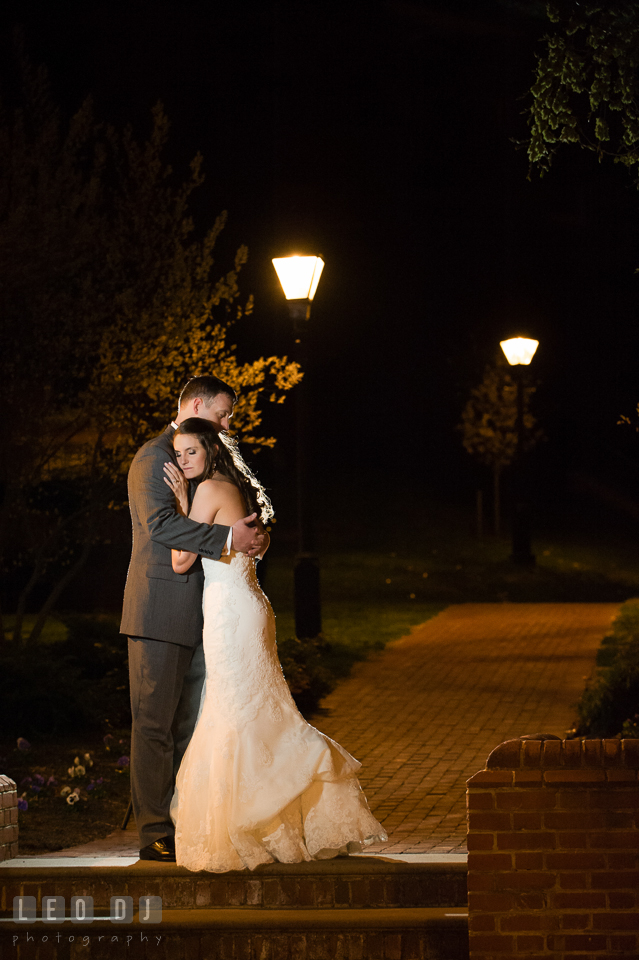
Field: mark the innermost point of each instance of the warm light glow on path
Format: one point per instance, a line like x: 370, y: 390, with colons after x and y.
x: 423, y: 715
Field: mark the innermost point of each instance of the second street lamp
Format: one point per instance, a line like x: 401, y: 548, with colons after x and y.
x: 299, y: 277
x: 519, y: 351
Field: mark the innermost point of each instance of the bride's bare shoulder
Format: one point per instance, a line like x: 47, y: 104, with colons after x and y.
x: 207, y: 491
x: 214, y: 491
x: 207, y: 502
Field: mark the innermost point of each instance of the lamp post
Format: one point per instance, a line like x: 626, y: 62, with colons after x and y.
x: 519, y: 351
x: 299, y: 277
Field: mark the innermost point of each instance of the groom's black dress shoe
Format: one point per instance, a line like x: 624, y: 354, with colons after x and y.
x: 162, y: 850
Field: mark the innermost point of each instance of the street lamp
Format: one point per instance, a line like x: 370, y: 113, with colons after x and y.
x: 299, y: 277
x: 519, y: 351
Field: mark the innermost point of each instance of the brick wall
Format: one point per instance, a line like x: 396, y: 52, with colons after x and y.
x: 553, y: 850
x: 8, y: 819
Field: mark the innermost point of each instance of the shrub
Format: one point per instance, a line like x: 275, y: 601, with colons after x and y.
x: 54, y: 689
x: 610, y: 703
x: 38, y: 693
x: 307, y: 673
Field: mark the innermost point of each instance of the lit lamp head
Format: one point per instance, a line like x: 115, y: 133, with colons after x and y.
x: 299, y: 277
x: 519, y: 350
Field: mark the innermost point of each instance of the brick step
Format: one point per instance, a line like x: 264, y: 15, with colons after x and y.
x: 252, y: 933
x: 349, y: 883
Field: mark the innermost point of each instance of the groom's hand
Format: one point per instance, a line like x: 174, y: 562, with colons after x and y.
x: 246, y: 537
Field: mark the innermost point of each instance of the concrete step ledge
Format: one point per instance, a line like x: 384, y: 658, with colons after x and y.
x: 252, y: 918
x: 56, y: 868
x: 249, y: 918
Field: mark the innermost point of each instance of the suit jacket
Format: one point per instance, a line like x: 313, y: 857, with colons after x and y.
x: 159, y: 603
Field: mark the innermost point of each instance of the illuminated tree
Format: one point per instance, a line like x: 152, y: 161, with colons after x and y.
x: 108, y: 304
x: 489, y: 425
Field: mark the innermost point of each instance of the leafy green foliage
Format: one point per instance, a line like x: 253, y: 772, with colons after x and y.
x: 585, y: 89
x: 610, y: 702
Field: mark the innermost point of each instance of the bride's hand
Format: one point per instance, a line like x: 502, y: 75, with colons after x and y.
x: 178, y: 483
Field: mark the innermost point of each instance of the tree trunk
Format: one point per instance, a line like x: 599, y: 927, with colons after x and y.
x: 39, y: 566
x: 497, y: 499
x: 55, y: 593
x: 24, y: 596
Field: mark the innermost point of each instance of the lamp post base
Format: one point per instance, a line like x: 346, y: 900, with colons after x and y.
x: 308, y: 613
x: 523, y: 559
x: 522, y: 555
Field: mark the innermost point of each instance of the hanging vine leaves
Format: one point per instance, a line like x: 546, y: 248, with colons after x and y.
x: 585, y: 90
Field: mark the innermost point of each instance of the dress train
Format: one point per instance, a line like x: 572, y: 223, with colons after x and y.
x: 258, y: 783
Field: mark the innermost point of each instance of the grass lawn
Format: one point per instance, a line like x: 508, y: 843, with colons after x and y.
x: 54, y: 630
x: 361, y: 611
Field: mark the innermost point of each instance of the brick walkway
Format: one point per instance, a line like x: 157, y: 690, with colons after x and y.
x: 423, y: 715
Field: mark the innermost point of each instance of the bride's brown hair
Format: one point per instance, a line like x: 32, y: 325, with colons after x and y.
x: 222, y: 454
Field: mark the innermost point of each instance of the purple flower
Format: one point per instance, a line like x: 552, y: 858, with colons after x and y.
x: 52, y: 782
x: 38, y: 779
x: 26, y: 781
x: 23, y: 744
x: 36, y: 788
x: 90, y: 786
x: 123, y: 762
x: 99, y: 781
x: 22, y: 805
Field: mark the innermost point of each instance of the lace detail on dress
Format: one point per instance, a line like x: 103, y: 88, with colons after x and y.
x: 219, y: 793
x: 247, y: 674
x: 249, y: 784
x: 274, y: 711
x: 258, y: 783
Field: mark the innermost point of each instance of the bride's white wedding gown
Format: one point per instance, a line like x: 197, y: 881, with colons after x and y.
x: 257, y: 783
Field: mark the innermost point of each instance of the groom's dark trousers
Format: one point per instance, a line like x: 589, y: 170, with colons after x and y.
x: 162, y: 617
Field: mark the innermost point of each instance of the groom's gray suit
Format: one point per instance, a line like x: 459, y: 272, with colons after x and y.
x: 162, y: 617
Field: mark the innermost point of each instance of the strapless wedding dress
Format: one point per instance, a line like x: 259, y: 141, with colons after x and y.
x: 257, y: 783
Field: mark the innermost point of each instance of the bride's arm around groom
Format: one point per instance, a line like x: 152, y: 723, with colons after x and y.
x: 156, y: 600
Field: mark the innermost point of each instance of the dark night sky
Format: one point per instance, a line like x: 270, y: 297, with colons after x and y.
x: 379, y: 134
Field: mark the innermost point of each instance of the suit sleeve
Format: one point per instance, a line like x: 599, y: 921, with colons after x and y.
x: 156, y: 510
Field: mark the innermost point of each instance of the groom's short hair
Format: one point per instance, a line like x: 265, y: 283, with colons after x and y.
x: 207, y: 388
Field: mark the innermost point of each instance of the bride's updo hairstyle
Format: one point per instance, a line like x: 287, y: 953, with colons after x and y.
x: 222, y: 454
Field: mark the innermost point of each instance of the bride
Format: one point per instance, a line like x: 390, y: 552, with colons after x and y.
x: 257, y: 783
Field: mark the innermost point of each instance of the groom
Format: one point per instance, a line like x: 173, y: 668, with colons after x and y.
x: 162, y: 617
